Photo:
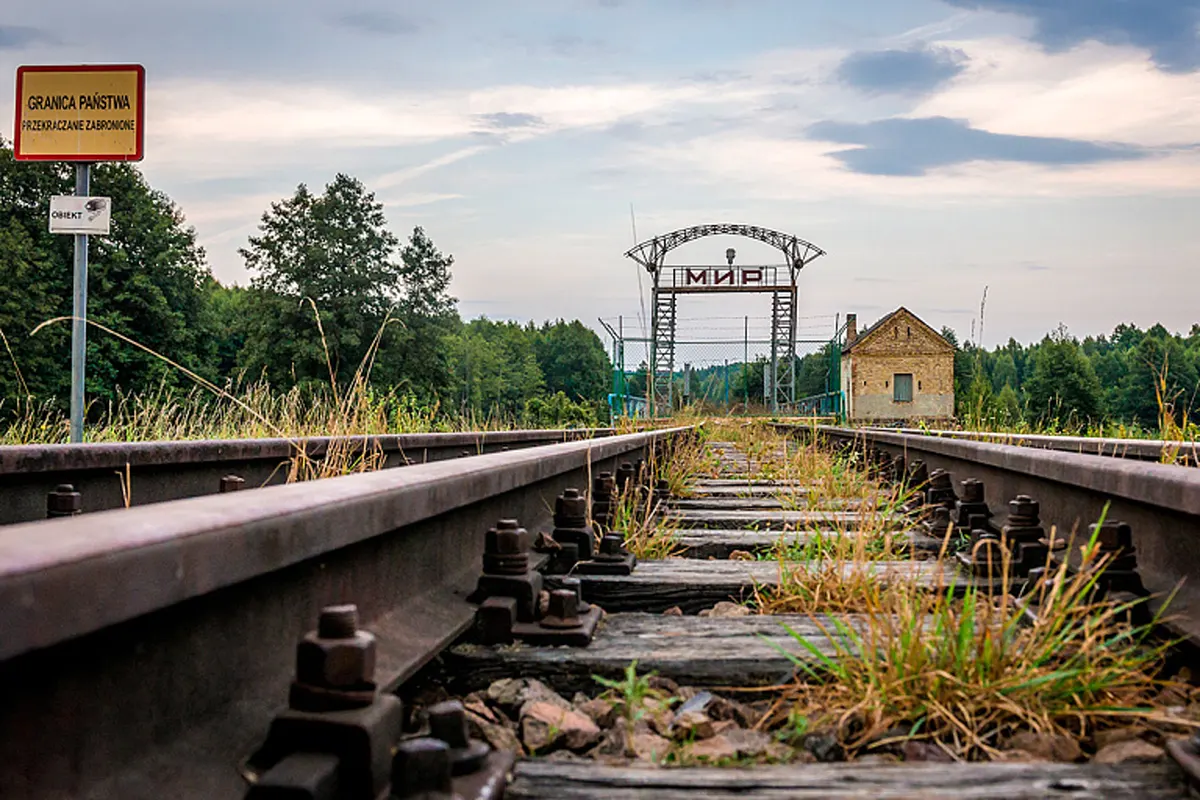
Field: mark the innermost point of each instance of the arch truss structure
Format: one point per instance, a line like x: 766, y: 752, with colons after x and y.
x: 670, y: 282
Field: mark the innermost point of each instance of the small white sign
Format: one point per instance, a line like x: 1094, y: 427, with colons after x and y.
x: 72, y: 214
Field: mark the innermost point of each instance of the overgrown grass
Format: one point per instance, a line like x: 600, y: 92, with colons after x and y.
x: 967, y: 672
x: 647, y: 534
x: 821, y: 473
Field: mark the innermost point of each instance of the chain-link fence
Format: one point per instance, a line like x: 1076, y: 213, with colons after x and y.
x: 721, y: 364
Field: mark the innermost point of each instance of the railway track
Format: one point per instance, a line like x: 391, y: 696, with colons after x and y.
x: 113, y: 475
x: 203, y: 647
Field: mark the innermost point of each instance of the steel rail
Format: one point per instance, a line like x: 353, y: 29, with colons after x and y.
x: 144, y: 650
x: 1137, y: 449
x: 1160, y: 501
x: 161, y: 471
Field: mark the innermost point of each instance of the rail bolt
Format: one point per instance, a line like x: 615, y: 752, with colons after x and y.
x: 421, y: 768
x: 448, y: 722
x: 1113, y: 536
x: 570, y: 509
x: 972, y: 491
x: 563, y: 611
x: 507, y: 538
x: 940, y: 520
x: 603, y: 486
x: 611, y: 544
x: 337, y: 655
x: 1024, y: 510
x: 232, y: 483
x: 625, y: 473
x: 64, y: 501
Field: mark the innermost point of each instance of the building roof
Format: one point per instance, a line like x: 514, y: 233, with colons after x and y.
x: 873, y: 329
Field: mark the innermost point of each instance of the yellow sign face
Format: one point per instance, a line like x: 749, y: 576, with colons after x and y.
x: 80, y: 113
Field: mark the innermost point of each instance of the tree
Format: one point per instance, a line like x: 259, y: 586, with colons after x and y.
x: 1160, y: 378
x: 1008, y: 407
x: 324, y: 283
x: 494, y: 367
x: 572, y: 360
x: 1004, y: 372
x: 1063, y: 387
x: 417, y: 357
x: 145, y: 280
x: 228, y: 309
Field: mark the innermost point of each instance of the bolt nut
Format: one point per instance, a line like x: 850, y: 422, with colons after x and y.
x: 338, y: 622
x: 421, y: 768
x: 1113, y: 536
x: 64, y: 501
x: 562, y: 611
x: 507, y: 542
x: 232, y: 483
x: 448, y: 722
x: 611, y: 544
x: 972, y: 491
x: 570, y: 507
x: 563, y: 604
x: 343, y: 660
x: 603, y: 486
x: 1024, y: 506
x: 624, y: 473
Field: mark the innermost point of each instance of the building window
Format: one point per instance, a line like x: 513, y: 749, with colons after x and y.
x: 909, y: 332
x: 902, y: 391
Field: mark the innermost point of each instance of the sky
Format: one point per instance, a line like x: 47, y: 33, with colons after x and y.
x: 1048, y: 150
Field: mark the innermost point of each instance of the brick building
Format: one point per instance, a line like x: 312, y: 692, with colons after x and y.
x: 898, y: 369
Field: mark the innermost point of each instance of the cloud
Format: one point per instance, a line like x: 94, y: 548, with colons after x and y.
x: 509, y: 119
x: 1095, y: 92
x: 914, y: 146
x: 379, y: 23
x: 17, y: 36
x: 917, y: 70
x: 1167, y: 28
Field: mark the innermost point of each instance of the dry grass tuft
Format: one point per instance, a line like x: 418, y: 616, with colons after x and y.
x: 967, y: 672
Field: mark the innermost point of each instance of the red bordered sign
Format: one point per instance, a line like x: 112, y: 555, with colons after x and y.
x: 88, y: 112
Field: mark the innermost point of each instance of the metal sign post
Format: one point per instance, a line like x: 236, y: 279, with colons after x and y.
x: 83, y: 178
x: 80, y: 114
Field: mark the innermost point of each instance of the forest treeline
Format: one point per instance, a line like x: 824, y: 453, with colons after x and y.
x: 333, y: 294
x: 1147, y: 379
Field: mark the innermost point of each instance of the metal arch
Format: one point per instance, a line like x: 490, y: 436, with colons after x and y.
x: 651, y: 253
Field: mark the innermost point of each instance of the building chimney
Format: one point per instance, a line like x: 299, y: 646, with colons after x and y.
x: 851, y: 328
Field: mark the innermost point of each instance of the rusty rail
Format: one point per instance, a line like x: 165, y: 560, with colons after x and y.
x: 1161, y: 502
x: 145, y: 650
x: 161, y: 471
x: 1157, y: 450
